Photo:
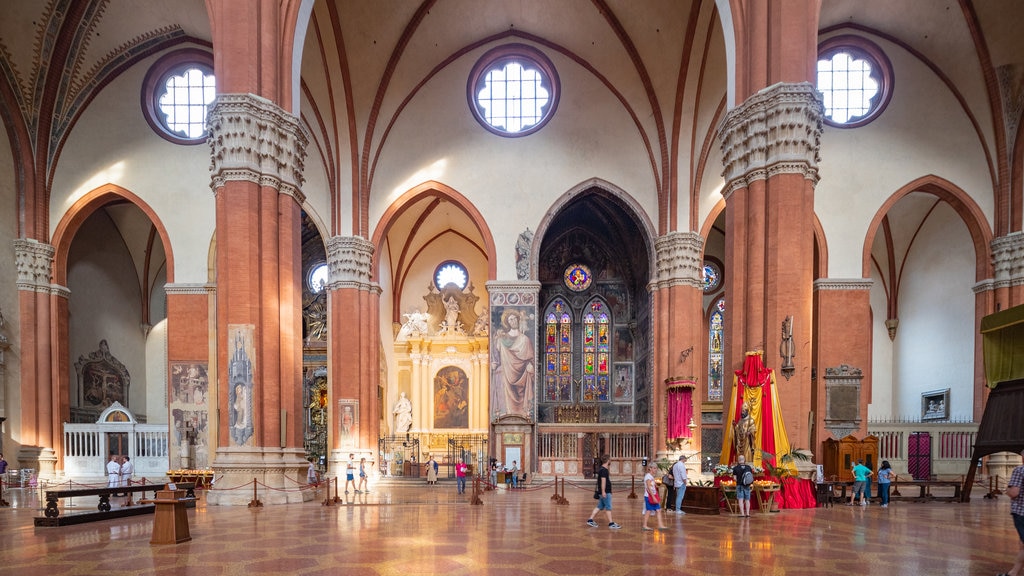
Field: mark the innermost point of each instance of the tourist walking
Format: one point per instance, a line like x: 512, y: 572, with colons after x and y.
x: 885, y: 477
x: 652, y: 499
x: 603, y: 494
x: 460, y: 476
x: 311, y: 476
x: 350, y: 473
x: 1016, y: 494
x: 679, y: 482
x: 744, y: 476
x: 363, y: 480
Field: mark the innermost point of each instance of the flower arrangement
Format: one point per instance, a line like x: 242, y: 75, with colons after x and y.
x: 722, y: 470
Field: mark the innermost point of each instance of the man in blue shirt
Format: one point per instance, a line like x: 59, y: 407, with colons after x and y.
x: 861, y: 473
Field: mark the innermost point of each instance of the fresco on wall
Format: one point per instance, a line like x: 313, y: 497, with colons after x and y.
x: 241, y: 384
x: 189, y: 389
x: 623, y: 388
x: 348, y: 422
x: 451, y: 398
x: 513, y: 373
x: 623, y: 343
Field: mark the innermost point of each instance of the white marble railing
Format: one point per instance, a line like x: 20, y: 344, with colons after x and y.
x: 950, y: 445
x: 87, y: 448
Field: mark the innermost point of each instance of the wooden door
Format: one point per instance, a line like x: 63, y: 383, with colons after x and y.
x: 919, y: 455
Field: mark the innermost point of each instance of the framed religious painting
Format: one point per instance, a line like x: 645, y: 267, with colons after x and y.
x: 935, y: 405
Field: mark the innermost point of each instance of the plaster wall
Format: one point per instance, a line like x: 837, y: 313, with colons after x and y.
x: 105, y: 304
x: 936, y: 329
x: 923, y: 131
x: 934, y: 344
x: 437, y: 138
x: 156, y: 375
x: 112, y: 143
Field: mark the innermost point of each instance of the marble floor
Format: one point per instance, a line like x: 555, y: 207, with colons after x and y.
x: 408, y: 528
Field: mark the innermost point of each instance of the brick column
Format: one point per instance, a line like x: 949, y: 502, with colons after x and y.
x: 44, y: 374
x: 353, y: 348
x: 770, y: 152
x: 258, y: 151
x: 678, y: 320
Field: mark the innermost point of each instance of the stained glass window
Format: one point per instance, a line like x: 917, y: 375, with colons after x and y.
x: 715, y: 355
x: 558, y: 353
x: 596, y: 351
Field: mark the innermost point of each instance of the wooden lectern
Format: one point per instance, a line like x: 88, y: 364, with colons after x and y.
x: 170, y: 522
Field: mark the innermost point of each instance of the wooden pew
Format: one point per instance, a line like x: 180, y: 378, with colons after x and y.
x: 104, y: 511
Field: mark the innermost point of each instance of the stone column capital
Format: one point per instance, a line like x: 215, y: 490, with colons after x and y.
x: 34, y: 262
x: 349, y: 263
x: 776, y: 131
x: 254, y: 140
x: 679, y: 260
x: 1008, y: 260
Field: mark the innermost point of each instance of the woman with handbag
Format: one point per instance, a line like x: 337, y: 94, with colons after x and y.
x: 652, y: 498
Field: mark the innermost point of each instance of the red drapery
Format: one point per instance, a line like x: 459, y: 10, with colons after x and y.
x: 679, y: 409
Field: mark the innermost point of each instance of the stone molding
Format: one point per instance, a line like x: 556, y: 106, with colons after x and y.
x: 776, y: 131
x: 349, y: 262
x: 183, y: 288
x: 843, y: 284
x: 680, y: 260
x: 34, y: 262
x: 254, y: 140
x: 509, y: 293
x: 1008, y: 260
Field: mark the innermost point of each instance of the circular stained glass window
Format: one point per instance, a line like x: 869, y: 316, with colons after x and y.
x: 513, y: 90
x: 451, y: 272
x: 577, y: 277
x: 711, y: 275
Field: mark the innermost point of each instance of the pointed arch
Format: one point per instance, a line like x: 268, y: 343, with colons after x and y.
x: 635, y: 211
x: 90, y: 202
x: 436, y: 189
x: 962, y: 204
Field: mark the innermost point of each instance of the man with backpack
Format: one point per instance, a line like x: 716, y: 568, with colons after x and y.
x: 744, y: 476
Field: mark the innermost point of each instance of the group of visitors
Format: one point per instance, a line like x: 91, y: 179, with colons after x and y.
x: 862, y: 483
x: 119, y: 471
x: 350, y: 475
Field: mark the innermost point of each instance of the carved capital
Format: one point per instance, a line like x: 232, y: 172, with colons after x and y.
x: 349, y: 262
x: 679, y: 260
x: 253, y: 139
x: 778, y: 130
x: 34, y: 261
x: 1008, y: 260
x: 513, y: 293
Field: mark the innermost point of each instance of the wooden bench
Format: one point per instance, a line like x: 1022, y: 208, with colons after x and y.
x: 52, y: 517
x: 925, y: 490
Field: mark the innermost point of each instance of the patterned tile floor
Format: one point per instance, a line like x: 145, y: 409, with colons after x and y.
x: 409, y: 529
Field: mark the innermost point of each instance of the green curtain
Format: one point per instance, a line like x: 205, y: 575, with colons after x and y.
x: 1002, y: 340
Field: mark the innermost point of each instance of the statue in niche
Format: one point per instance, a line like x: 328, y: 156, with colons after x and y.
x: 451, y: 323
x: 403, y: 415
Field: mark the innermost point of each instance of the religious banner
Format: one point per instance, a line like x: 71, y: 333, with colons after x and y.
x: 755, y: 426
x: 679, y: 408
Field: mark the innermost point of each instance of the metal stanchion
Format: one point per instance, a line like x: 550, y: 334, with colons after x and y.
x: 255, y: 502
